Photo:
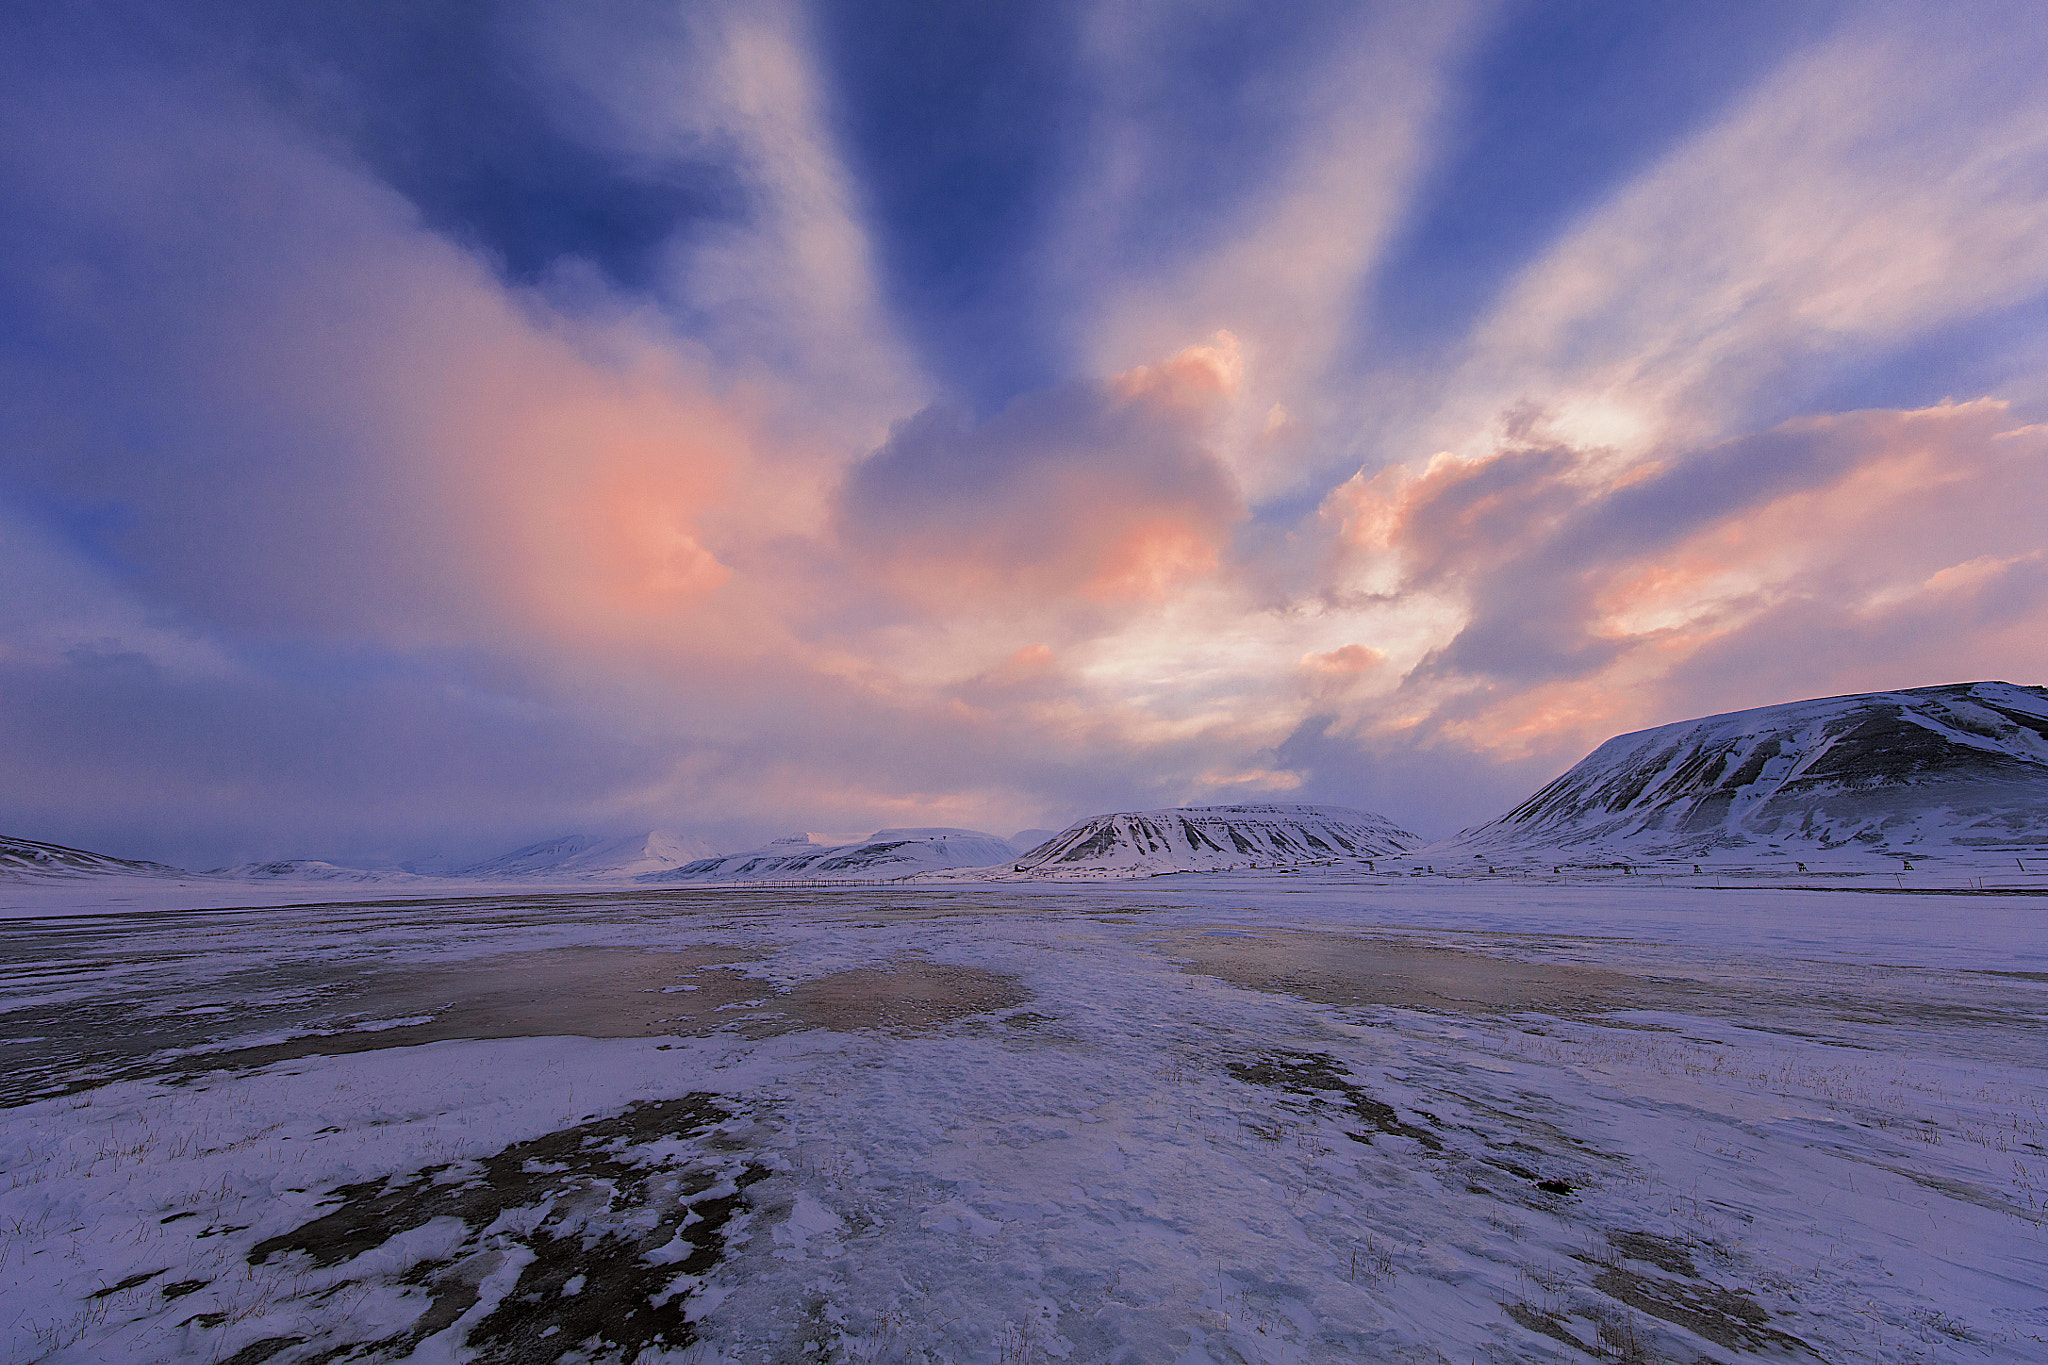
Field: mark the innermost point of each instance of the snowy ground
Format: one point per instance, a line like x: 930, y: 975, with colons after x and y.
x: 1174, y: 1121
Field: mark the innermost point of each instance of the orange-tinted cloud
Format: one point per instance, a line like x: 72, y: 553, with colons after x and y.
x: 1103, y: 494
x: 587, y: 488
x: 1346, y: 661
x: 1331, y: 674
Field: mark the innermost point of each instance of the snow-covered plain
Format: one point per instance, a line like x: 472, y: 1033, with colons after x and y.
x: 1248, y: 1118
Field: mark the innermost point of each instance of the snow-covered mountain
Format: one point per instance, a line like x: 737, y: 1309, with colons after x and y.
x: 569, y: 858
x: 309, y: 870
x: 1953, y: 771
x: 591, y: 857
x: 27, y: 858
x: 887, y: 853
x: 1215, y: 839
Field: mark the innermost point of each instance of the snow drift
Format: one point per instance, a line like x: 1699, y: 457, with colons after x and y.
x: 1954, y: 771
x: 886, y: 854
x: 1215, y: 839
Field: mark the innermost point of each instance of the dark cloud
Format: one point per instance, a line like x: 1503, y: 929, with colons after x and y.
x: 967, y: 124
x: 959, y: 120
x: 465, y: 110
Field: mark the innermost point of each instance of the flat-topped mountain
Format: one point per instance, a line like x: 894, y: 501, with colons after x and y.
x: 1215, y: 839
x: 1954, y: 770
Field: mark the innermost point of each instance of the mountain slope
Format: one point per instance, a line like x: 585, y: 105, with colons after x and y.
x: 887, y: 853
x: 1214, y: 839
x: 27, y: 858
x: 1957, y: 769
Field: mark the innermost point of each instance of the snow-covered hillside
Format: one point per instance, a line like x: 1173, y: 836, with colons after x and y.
x: 1959, y: 771
x: 27, y: 858
x: 590, y: 857
x: 1215, y: 839
x: 884, y: 854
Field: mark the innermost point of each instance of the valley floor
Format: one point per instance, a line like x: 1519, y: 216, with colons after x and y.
x: 1184, y: 1120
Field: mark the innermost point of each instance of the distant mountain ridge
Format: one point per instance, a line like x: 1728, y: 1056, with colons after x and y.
x: 569, y: 858
x: 1215, y: 839
x: 1961, y: 768
x: 590, y: 856
x: 886, y: 854
x: 307, y: 870
x: 28, y: 858
x: 1957, y: 772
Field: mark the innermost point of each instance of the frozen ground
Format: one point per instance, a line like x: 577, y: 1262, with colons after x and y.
x: 1204, y: 1120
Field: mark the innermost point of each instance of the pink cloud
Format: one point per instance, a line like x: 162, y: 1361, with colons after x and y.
x: 592, y: 496
x: 1333, y: 674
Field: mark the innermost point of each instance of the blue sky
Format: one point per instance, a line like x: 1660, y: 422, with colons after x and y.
x: 433, y: 426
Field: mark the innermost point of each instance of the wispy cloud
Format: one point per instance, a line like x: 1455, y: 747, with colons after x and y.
x: 791, y: 292
x: 1888, y: 181
x: 1347, y: 125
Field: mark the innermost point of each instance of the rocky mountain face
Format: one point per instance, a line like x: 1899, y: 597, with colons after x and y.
x: 1215, y: 839
x: 884, y: 855
x: 1953, y: 771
